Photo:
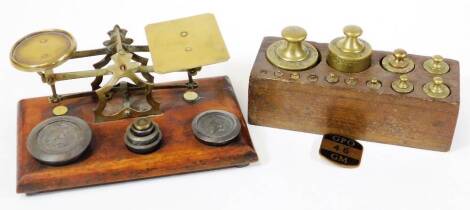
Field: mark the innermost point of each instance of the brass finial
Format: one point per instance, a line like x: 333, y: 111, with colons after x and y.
x: 436, y: 65
x: 292, y: 53
x: 142, y: 123
x: 351, y: 42
x: 332, y: 78
x: 398, y: 62
x: 349, y: 53
x: 436, y: 88
x: 402, y: 85
x: 293, y: 50
x: 374, y: 84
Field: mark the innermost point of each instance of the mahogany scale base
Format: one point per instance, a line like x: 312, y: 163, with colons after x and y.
x: 108, y: 160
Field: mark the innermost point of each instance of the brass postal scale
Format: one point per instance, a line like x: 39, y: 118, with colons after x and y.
x: 122, y: 130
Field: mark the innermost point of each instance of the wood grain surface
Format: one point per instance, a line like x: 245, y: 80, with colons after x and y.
x: 316, y: 106
x: 108, y: 160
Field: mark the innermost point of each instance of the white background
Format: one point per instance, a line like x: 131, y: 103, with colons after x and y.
x: 290, y: 174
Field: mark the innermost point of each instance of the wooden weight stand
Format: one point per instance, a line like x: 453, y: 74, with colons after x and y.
x: 305, y: 101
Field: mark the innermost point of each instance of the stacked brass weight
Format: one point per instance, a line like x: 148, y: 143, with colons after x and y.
x: 143, y: 136
x: 436, y: 88
x: 402, y: 85
x: 398, y: 62
x: 349, y: 54
x: 436, y: 65
x: 292, y: 52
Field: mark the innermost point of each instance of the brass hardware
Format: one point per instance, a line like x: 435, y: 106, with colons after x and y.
x: 349, y: 53
x: 42, y: 50
x: 186, y: 43
x: 374, y: 84
x: 278, y: 74
x: 436, y: 65
x: 402, y: 85
x: 295, y: 76
x: 398, y: 62
x: 190, y: 96
x: 123, y: 67
x: 292, y: 53
x: 60, y: 110
x: 312, y: 77
x: 436, y: 88
x: 351, y: 81
x: 142, y: 124
x: 332, y: 78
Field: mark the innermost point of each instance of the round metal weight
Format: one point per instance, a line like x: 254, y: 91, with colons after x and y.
x: 59, y: 140
x: 216, y: 127
x: 143, y: 141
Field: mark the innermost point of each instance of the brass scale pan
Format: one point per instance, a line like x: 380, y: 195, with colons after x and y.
x: 42, y: 50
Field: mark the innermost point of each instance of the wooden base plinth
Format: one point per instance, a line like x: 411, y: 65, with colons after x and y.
x: 108, y: 160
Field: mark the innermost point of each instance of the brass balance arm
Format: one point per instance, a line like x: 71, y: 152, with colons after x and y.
x: 104, y: 51
x: 91, y: 73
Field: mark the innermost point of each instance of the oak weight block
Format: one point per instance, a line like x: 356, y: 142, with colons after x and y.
x: 321, y: 99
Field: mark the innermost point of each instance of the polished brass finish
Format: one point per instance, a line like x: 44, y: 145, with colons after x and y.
x: 402, y: 85
x: 123, y: 67
x: 292, y: 53
x: 295, y: 76
x: 60, y: 110
x: 312, y: 77
x: 190, y: 96
x: 278, y: 74
x: 436, y: 88
x: 186, y: 43
x: 374, y: 84
x: 436, y: 65
x: 398, y: 62
x: 332, y: 78
x: 349, y: 53
x: 351, y: 81
x: 42, y: 50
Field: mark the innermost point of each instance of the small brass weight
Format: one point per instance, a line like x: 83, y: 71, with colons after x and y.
x: 193, y: 47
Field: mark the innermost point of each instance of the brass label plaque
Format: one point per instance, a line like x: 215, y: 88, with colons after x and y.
x: 186, y: 43
x: 342, y: 150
